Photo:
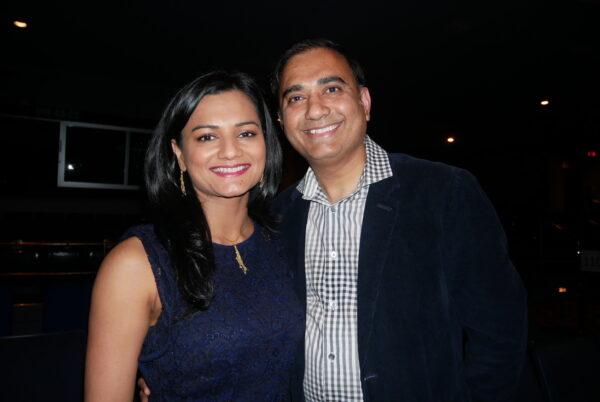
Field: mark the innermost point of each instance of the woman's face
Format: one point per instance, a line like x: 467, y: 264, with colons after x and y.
x: 222, y: 146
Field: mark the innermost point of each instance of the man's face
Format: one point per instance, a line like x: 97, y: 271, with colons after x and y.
x: 323, y: 110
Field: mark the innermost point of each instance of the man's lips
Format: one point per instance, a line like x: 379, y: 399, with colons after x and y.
x: 231, y: 170
x: 325, y: 130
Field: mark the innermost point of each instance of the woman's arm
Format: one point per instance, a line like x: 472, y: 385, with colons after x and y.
x: 124, y: 304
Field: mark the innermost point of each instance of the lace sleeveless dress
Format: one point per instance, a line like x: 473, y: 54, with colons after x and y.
x: 241, y: 348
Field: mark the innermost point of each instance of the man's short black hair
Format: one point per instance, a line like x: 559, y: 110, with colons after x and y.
x: 309, y: 44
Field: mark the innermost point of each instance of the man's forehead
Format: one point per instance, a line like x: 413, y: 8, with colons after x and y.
x: 316, y: 66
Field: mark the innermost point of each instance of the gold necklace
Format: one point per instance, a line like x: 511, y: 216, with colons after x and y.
x: 238, y: 256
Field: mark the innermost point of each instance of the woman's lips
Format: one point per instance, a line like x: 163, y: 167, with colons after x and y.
x: 230, y: 171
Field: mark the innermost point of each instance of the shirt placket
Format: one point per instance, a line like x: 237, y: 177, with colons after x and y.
x: 329, y: 303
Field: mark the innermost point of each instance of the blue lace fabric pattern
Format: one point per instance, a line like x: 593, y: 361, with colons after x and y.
x: 242, y: 348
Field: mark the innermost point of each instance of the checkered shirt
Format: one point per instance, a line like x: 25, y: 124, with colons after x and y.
x: 332, y: 370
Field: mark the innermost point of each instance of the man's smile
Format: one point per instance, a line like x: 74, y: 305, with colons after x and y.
x: 323, y: 130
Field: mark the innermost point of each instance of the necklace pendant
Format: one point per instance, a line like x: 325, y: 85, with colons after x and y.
x: 240, y: 261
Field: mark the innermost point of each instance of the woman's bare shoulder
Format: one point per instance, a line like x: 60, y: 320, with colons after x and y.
x: 127, y: 265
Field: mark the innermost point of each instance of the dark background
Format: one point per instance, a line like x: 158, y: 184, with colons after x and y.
x: 475, y: 70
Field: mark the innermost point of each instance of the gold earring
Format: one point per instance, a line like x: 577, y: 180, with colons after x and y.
x: 261, y: 182
x: 182, y: 183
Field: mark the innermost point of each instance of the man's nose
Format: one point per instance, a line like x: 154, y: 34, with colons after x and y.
x: 316, y: 109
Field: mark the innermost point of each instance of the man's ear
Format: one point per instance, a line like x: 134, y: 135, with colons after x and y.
x: 365, y: 101
x: 178, y: 155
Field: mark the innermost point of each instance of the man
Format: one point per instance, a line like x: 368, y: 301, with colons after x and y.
x: 410, y: 293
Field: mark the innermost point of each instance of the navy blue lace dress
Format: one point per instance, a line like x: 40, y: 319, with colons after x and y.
x: 240, y: 349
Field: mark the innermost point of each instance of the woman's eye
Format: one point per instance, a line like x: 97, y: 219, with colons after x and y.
x: 205, y: 137
x: 247, y: 134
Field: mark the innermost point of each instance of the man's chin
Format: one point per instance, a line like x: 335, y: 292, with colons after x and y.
x: 321, y: 156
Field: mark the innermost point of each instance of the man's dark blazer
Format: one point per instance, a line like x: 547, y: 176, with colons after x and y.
x: 441, y: 310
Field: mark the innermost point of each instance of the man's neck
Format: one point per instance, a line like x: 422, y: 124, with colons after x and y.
x: 340, y: 180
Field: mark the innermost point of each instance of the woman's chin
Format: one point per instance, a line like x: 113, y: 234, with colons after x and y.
x: 228, y: 193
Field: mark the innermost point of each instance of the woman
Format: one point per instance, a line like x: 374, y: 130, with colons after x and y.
x: 200, y: 301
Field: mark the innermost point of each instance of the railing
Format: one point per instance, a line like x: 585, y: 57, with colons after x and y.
x: 39, y: 258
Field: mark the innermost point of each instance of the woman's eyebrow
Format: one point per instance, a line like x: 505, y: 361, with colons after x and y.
x: 201, y: 126
x: 245, y: 123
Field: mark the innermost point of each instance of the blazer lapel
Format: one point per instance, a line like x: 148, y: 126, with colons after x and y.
x: 294, y: 229
x: 378, y: 222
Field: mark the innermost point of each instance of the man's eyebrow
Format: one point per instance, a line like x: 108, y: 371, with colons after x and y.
x: 331, y: 78
x: 320, y: 81
x: 293, y: 88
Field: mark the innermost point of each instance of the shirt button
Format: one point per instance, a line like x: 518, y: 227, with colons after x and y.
x: 331, y: 356
x: 332, y: 305
x: 332, y: 209
x: 333, y: 255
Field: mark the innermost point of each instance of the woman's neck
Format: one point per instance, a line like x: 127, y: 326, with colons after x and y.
x: 228, y: 219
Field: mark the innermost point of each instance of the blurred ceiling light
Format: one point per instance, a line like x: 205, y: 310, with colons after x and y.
x: 544, y: 102
x: 592, y: 153
x: 562, y: 290
x: 70, y: 167
x: 450, y: 140
x: 20, y: 24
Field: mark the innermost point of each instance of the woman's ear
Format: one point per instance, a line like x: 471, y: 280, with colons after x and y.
x: 179, y: 155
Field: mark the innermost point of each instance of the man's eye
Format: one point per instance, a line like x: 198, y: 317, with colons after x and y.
x: 205, y: 137
x: 294, y: 99
x: 333, y: 90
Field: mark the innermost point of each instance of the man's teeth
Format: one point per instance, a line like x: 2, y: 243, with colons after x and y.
x: 230, y: 169
x: 323, y: 130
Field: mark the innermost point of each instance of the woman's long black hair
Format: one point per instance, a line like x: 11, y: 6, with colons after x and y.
x: 178, y: 219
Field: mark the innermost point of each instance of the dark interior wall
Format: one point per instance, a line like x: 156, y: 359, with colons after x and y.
x: 473, y: 70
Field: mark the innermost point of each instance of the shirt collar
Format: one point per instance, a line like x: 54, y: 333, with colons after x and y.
x: 377, y: 168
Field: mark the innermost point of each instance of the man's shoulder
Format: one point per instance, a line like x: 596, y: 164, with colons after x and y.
x: 409, y: 169
x: 285, y: 198
x: 431, y: 183
x: 289, y: 192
